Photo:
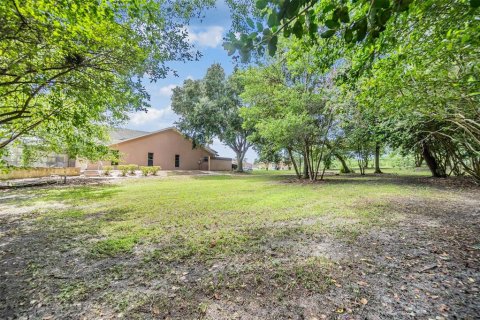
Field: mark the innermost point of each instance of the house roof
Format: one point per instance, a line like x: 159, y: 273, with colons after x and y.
x: 120, y: 135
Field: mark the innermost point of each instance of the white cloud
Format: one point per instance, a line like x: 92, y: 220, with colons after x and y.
x: 210, y: 36
x: 166, y: 91
x: 150, y: 116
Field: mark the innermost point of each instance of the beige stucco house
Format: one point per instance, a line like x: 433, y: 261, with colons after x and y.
x: 167, y: 148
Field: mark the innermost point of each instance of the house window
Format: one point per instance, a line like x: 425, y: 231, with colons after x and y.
x: 150, y: 159
x: 205, y: 159
x: 177, y: 160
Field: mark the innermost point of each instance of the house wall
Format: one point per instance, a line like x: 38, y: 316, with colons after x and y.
x: 164, y: 146
x: 220, y: 164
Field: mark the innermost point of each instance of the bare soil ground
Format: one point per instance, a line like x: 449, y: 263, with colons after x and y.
x: 425, y: 265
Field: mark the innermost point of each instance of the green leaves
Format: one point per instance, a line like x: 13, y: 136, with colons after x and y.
x: 272, y: 46
x: 292, y: 8
x: 475, y: 3
x: 348, y: 35
x: 272, y: 19
x: 332, y: 24
x: 381, y: 4
x: 230, y: 47
x: 411, y: 82
x: 77, y: 65
x: 301, y: 17
x: 298, y: 29
x: 342, y: 14
x: 328, y: 34
x: 259, y: 27
x: 261, y: 4
x: 361, y: 27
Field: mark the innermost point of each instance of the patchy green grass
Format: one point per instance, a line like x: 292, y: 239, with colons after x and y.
x: 212, y: 216
x: 115, y: 246
x: 160, y: 245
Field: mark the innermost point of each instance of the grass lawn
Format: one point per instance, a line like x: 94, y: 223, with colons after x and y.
x: 252, y: 246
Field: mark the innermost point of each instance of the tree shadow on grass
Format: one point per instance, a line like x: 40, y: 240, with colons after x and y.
x: 387, y: 179
x: 48, y: 271
x: 28, y: 197
x: 84, y: 193
x: 244, y: 177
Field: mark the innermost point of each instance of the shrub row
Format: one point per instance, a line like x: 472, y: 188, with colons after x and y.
x: 128, y: 169
x: 131, y: 168
x: 150, y: 170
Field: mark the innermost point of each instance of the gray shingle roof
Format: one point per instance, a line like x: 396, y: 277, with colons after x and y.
x: 121, y: 134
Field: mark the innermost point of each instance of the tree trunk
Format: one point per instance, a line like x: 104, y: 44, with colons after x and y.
x: 361, y: 166
x: 240, y: 156
x: 294, y: 163
x: 418, y: 159
x: 345, y: 168
x: 377, y: 158
x: 319, y: 161
x: 305, y: 167
x: 432, y: 163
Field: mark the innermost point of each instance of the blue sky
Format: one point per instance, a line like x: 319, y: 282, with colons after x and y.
x: 207, y: 36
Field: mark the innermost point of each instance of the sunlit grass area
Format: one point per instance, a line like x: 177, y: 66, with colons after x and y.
x: 208, y: 216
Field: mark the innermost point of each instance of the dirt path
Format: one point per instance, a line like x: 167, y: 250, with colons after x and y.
x: 427, y: 266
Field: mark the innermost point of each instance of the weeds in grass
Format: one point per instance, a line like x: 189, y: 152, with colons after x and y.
x: 113, y: 247
x: 76, y: 291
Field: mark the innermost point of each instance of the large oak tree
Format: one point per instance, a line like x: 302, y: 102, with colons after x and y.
x: 68, y: 68
x: 209, y: 108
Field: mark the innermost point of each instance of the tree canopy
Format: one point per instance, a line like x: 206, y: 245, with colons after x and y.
x: 209, y: 108
x: 410, y: 83
x: 262, y: 22
x: 68, y: 68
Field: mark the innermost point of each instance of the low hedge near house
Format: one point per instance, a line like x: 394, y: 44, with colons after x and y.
x: 124, y: 170
x: 145, y: 171
x: 154, y: 170
x: 150, y: 170
x: 132, y: 168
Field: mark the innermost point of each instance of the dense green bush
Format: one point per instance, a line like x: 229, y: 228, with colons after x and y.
x: 132, y: 168
x: 145, y: 171
x: 154, y: 170
x: 124, y: 170
x: 150, y: 170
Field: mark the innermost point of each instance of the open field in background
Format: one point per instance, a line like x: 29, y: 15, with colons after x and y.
x: 251, y: 246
